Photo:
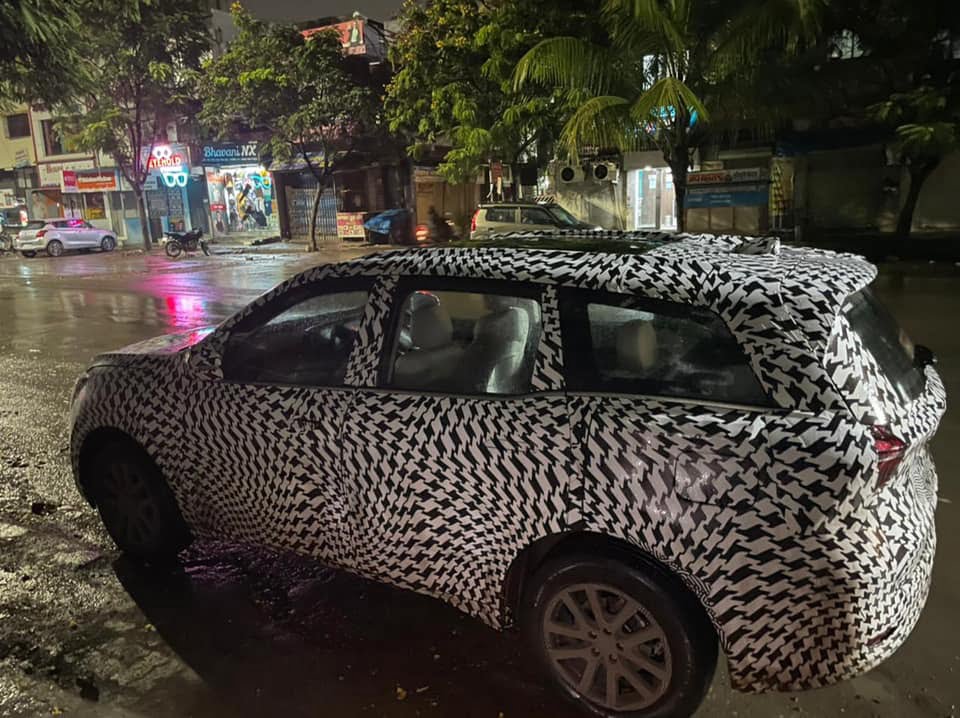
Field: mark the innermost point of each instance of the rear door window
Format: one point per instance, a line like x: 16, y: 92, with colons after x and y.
x: 630, y: 345
x: 503, y: 215
x: 886, y: 341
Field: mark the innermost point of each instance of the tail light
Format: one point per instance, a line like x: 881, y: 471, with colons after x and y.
x: 40, y: 233
x: 890, y: 450
x: 423, y: 233
x: 473, y: 221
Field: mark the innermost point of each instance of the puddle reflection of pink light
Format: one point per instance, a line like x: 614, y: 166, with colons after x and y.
x: 185, y: 310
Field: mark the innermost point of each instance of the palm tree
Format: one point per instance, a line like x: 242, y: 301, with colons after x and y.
x: 666, y: 69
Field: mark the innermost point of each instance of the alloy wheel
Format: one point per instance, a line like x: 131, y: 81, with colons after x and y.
x: 108, y: 244
x: 129, y: 506
x: 54, y: 248
x: 607, y: 647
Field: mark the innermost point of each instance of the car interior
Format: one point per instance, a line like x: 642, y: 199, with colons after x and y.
x: 491, y: 352
x: 673, y: 356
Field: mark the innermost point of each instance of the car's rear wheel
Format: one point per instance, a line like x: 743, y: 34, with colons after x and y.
x: 619, y: 640
x: 54, y: 248
x: 30, y: 254
x: 108, y: 244
x: 137, y: 507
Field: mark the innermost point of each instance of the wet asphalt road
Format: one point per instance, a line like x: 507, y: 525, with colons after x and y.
x: 243, y: 632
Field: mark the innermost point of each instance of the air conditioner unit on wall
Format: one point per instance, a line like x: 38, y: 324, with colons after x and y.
x: 568, y: 173
x: 605, y: 171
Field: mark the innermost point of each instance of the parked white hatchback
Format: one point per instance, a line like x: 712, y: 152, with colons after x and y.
x: 58, y: 234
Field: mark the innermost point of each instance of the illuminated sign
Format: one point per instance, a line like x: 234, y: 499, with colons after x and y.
x: 163, y: 157
x: 170, y: 163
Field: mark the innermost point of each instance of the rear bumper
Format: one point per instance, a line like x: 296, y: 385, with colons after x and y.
x: 848, y: 597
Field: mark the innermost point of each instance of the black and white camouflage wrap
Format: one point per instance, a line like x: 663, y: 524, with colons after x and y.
x: 770, y: 515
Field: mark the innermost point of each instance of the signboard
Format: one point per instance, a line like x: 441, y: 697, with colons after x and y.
x: 68, y: 181
x: 351, y: 35
x: 739, y: 196
x: 51, y: 173
x: 426, y: 174
x: 350, y: 224
x: 749, y: 174
x: 168, y: 163
x: 93, y: 181
x: 21, y: 158
x: 226, y: 154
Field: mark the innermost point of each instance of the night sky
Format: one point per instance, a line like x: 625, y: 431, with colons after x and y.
x: 302, y: 10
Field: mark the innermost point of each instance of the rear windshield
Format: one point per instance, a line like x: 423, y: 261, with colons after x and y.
x: 886, y: 341
x: 35, y: 224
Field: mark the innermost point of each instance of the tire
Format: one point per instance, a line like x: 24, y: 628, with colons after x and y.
x: 108, y: 244
x: 29, y: 254
x: 136, y: 505
x: 675, y: 663
x: 173, y: 248
x: 54, y: 248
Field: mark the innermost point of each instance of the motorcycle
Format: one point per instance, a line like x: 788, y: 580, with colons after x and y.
x: 180, y: 242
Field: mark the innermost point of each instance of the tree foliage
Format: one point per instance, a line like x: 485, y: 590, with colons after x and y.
x: 669, y: 68
x: 454, y: 60
x: 309, y: 101
x: 40, y: 51
x: 136, y: 79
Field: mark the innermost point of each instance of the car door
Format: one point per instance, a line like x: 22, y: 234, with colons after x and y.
x: 500, y: 219
x: 88, y: 235
x: 265, y: 437
x: 459, y: 457
x: 73, y: 234
x: 671, y: 421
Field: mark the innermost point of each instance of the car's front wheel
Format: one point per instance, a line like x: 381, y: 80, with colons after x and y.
x: 620, y: 640
x: 108, y: 244
x: 136, y: 505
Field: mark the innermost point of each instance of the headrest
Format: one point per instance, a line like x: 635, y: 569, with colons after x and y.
x: 430, y: 327
x: 637, y: 346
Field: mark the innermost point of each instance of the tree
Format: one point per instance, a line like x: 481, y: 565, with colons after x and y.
x: 454, y: 61
x: 312, y: 103
x: 137, y: 80
x: 668, y: 66
x: 927, y: 127
x: 39, y: 52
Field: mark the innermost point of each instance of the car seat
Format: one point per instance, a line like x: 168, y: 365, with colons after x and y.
x: 434, y: 356
x: 494, y: 362
x: 637, y: 347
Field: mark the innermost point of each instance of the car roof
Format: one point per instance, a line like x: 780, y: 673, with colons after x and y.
x: 488, y: 205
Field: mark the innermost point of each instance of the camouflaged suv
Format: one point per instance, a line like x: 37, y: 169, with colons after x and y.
x: 636, y: 449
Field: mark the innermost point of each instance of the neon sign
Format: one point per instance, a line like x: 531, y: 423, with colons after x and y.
x: 170, y: 164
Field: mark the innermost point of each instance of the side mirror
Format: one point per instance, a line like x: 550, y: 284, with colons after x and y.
x: 923, y: 356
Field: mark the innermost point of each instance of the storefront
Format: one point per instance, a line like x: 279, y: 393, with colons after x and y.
x: 240, y: 192
x: 75, y: 189
x: 728, y: 200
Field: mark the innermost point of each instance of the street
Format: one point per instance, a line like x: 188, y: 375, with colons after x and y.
x: 239, y: 631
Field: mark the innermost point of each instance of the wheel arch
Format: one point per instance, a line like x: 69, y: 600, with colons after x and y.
x: 90, y: 446
x: 548, y: 548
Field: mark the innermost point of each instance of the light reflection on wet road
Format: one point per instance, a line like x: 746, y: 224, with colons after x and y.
x: 245, y: 632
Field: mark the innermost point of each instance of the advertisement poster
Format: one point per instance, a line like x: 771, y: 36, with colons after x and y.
x: 69, y: 181
x: 350, y: 225
x: 351, y: 35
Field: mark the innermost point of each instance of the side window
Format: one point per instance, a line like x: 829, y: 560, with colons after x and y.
x: 62, y: 224
x: 460, y: 342
x: 625, y: 344
x: 502, y: 214
x: 533, y: 215
x: 306, y: 342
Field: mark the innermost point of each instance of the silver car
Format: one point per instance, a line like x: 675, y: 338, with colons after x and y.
x: 58, y: 234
